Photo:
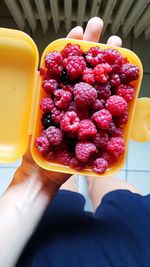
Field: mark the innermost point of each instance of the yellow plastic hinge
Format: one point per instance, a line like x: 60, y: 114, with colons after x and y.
x: 140, y: 130
x: 34, y: 101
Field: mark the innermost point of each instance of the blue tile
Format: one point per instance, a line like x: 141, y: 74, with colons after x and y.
x: 139, y: 156
x: 141, y: 180
x: 6, y: 175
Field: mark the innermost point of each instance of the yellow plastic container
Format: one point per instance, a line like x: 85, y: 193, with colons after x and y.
x: 21, y: 93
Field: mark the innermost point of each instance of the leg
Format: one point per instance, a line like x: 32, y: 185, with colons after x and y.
x: 98, y: 187
x: 70, y: 184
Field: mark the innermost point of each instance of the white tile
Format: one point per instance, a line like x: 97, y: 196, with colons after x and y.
x: 141, y: 180
x: 15, y: 164
x: 120, y: 175
x: 139, y: 156
x: 6, y: 175
x: 141, y: 48
x: 83, y: 189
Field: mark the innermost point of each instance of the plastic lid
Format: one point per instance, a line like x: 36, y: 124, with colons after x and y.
x: 18, y: 66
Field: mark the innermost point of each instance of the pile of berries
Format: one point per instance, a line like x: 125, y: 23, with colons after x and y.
x: 86, y: 106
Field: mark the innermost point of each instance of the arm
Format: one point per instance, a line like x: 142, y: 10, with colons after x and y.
x: 32, y: 188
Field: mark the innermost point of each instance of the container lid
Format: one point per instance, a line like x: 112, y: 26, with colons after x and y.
x: 18, y: 65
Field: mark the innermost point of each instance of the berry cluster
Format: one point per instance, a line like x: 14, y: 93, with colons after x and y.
x: 86, y: 106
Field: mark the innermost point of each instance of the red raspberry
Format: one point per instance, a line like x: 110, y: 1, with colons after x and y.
x: 84, y: 94
x: 103, y: 91
x: 71, y: 50
x: 116, y: 146
x: 76, y: 164
x: 54, y: 135
x: 68, y: 88
x: 57, y: 115
x: 50, y: 86
x: 113, y: 131
x: 102, y: 118
x: 70, y: 122
x: 42, y: 144
x: 94, y: 56
x: 120, y: 120
x: 88, y: 76
x: 110, y: 158
x: 64, y: 157
x: 72, y: 107
x: 100, y: 139
x: 46, y: 104
x: 50, y: 154
x: 116, y: 105
x: 113, y: 58
x: 129, y: 72
x: 97, y: 105
x: 100, y: 165
x: 83, y: 113
x: 62, y: 99
x: 126, y: 91
x: 53, y: 61
x: 75, y: 66
x: 101, y: 72
x: 86, y: 129
x: 114, y: 79
x: 49, y: 74
x: 84, y: 150
x: 42, y: 72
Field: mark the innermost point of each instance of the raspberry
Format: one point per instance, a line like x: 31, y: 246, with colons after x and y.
x: 42, y: 72
x: 62, y: 99
x: 53, y: 61
x: 50, y: 155
x: 46, y: 120
x: 72, y: 107
x: 86, y: 129
x: 64, y: 157
x: 129, y: 72
x: 120, y: 120
x: 126, y: 91
x: 114, y: 79
x: 50, y: 86
x: 68, y: 88
x: 110, y: 158
x: 75, y: 66
x: 103, y: 91
x: 84, y: 94
x: 83, y: 113
x: 102, y: 118
x: 84, y: 150
x: 100, y: 165
x: 100, y: 139
x: 94, y: 56
x: 46, y: 104
x: 101, y: 72
x: 116, y: 105
x: 42, y: 144
x: 88, y: 76
x: 113, y: 131
x: 76, y: 164
x: 97, y: 105
x: 71, y: 50
x: 54, y: 135
x: 51, y: 75
x: 57, y: 115
x: 70, y: 122
x: 113, y: 58
x: 116, y: 146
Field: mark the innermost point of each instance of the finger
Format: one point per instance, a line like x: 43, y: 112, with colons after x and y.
x: 76, y: 33
x: 93, y: 30
x: 114, y: 40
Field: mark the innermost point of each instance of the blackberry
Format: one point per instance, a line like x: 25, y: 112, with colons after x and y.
x: 46, y: 120
x: 65, y: 77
